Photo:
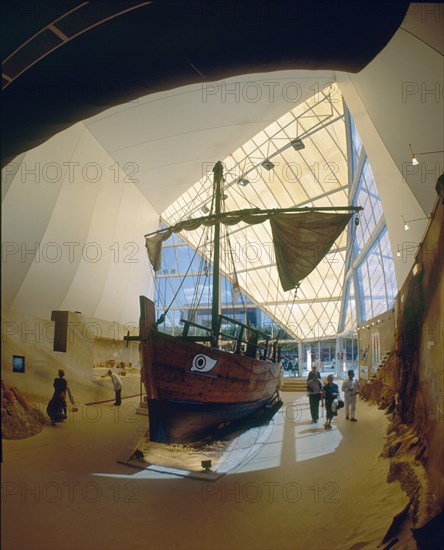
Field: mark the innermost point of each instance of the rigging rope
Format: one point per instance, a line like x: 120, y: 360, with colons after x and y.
x: 161, y: 319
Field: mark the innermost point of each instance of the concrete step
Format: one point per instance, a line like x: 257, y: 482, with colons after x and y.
x: 299, y: 385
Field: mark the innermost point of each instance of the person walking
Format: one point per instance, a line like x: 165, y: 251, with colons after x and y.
x: 56, y: 408
x: 351, y: 388
x: 331, y: 395
x: 117, y: 384
x: 314, y: 373
x: 314, y: 390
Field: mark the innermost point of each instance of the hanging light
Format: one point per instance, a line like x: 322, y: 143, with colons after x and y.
x: 415, y: 161
x: 243, y: 181
x: 399, y: 252
x: 297, y: 144
x: 406, y: 222
x: 267, y: 164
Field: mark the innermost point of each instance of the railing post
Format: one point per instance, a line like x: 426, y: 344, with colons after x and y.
x: 239, y: 340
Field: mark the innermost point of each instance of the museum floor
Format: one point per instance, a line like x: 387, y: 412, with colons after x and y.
x: 305, y: 488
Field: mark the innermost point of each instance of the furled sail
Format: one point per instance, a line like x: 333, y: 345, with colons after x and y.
x: 302, y: 237
x: 302, y: 240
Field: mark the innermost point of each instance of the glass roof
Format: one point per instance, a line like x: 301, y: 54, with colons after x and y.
x: 315, y: 175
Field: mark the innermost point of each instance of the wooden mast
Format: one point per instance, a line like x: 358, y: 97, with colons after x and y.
x: 217, y: 171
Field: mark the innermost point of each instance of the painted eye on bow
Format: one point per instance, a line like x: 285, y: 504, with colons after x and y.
x: 203, y: 363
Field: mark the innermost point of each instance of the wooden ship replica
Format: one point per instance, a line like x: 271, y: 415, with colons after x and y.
x: 194, y: 386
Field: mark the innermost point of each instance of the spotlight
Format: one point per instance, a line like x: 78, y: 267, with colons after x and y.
x: 406, y: 222
x: 268, y: 165
x: 415, y: 160
x: 297, y: 144
x: 243, y: 181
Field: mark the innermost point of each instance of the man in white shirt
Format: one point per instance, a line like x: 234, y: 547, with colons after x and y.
x: 350, y: 387
x: 117, y: 383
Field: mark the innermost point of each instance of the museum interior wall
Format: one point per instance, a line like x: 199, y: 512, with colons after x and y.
x: 73, y: 226
x: 93, y: 346
x: 376, y: 340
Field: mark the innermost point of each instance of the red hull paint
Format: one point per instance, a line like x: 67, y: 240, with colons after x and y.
x: 233, y: 379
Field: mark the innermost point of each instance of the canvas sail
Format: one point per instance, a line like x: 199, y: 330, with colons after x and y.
x: 301, y: 239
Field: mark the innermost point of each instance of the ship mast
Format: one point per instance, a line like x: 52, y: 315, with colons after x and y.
x: 218, y: 172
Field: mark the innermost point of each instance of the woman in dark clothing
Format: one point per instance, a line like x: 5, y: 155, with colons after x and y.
x: 57, y: 406
x: 330, y: 394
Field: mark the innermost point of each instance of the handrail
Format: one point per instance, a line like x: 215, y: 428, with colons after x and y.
x: 252, y: 340
x: 187, y: 324
x: 265, y: 336
x: 256, y: 339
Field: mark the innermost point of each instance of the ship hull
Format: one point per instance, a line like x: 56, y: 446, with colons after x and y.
x: 185, y: 422
x: 194, y: 390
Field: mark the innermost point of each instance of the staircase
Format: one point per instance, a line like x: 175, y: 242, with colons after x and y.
x: 382, y: 362
x: 294, y: 384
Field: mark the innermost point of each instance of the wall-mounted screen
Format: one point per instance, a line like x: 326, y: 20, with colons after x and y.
x: 18, y: 363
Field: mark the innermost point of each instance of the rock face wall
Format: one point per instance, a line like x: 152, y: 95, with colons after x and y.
x: 410, y: 386
x: 20, y: 419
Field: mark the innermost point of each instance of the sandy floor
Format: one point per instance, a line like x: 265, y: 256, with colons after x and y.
x: 305, y: 488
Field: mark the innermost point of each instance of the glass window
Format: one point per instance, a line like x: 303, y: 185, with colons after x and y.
x: 314, y: 176
x: 377, y: 279
x: 356, y: 146
x: 367, y: 197
x: 350, y: 320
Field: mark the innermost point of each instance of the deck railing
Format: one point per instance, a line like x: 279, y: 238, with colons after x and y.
x: 241, y: 337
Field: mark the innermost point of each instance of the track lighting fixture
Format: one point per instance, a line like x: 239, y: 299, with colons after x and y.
x: 406, y: 222
x: 267, y: 164
x: 297, y: 144
x: 415, y: 160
